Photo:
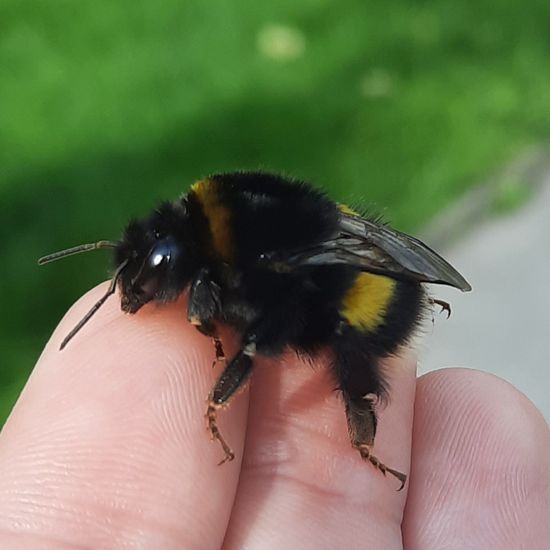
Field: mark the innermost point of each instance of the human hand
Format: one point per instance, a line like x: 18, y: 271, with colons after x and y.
x: 107, y: 448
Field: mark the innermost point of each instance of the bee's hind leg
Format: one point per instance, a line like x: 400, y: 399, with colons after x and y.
x: 360, y: 380
x: 361, y: 418
x: 445, y: 306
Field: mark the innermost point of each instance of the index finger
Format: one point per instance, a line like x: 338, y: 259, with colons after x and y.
x: 107, y: 445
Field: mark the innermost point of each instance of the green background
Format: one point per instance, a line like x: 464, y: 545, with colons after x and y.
x: 108, y: 106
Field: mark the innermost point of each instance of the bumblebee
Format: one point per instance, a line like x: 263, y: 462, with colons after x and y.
x: 286, y: 267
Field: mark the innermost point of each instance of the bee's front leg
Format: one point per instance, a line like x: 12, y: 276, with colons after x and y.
x: 204, y: 306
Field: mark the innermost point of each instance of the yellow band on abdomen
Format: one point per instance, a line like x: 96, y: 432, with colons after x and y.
x: 367, y: 301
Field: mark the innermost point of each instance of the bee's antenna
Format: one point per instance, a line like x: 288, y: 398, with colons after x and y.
x: 75, y: 250
x: 98, y: 304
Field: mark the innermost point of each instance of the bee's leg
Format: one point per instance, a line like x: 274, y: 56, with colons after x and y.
x: 361, y: 383
x: 209, y: 329
x: 231, y: 380
x: 361, y: 416
x: 203, y: 307
x: 218, y: 347
x: 445, y: 306
x: 266, y: 336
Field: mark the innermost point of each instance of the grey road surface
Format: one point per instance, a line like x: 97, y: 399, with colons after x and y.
x: 503, y: 325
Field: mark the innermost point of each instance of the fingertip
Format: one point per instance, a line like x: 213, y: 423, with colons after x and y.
x: 479, y: 472
x: 109, y: 435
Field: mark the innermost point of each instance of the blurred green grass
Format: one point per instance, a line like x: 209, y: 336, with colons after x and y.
x: 107, y: 107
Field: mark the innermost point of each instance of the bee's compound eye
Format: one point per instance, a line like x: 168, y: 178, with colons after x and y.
x: 162, y: 253
x: 158, y: 258
x: 151, y: 275
x: 266, y: 256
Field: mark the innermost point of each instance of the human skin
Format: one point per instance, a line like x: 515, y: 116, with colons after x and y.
x: 107, y: 448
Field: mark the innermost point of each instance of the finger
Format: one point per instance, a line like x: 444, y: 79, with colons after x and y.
x: 480, y: 476
x: 107, y: 446
x: 302, y: 485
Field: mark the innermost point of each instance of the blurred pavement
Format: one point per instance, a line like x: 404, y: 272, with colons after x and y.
x: 503, y: 325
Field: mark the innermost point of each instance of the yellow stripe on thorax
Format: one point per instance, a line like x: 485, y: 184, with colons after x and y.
x: 366, y: 302
x: 218, y: 216
x: 344, y: 208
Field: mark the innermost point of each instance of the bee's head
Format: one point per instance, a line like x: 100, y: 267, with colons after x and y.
x: 159, y: 255
x: 155, y: 260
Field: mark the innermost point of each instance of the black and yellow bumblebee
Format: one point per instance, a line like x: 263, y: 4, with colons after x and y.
x: 286, y: 267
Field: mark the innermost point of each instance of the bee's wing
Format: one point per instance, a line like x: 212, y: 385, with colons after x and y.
x: 379, y: 249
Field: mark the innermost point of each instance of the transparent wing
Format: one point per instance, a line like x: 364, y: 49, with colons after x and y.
x: 379, y: 249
